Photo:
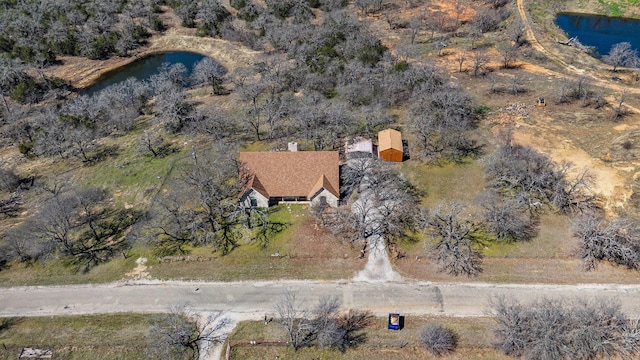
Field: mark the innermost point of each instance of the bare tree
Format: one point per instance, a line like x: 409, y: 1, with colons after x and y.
x: 516, y: 32
x: 203, y: 208
x: 534, y: 179
x: 563, y: 91
x: 416, y: 24
x: 294, y: 319
x: 560, y: 329
x: 154, y: 143
x: 325, y: 328
x: 442, y: 119
x: 506, y: 219
x: 385, y: 204
x: 437, y: 339
x: 574, y: 193
x: 211, y: 16
x: 11, y: 71
x: 187, y: 11
x: 516, y: 85
x: 9, y: 179
x: 480, y: 60
x: 182, y: 332
x: 612, y: 240
x: 461, y: 57
x: 475, y: 34
x: 620, y: 111
x: 509, y: 55
x: 210, y: 71
x: 486, y: 20
x: 459, y: 6
x: 454, y: 245
x: 323, y: 325
x: 621, y: 54
x: 172, y: 224
x: 80, y: 227
x: 432, y: 24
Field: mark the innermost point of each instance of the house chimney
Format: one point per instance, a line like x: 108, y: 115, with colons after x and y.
x: 293, y: 146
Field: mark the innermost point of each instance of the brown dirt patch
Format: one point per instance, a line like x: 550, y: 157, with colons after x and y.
x: 608, y: 181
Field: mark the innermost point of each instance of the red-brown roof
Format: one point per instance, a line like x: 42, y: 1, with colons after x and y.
x: 298, y: 173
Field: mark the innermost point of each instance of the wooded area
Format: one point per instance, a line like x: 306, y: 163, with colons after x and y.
x: 323, y: 77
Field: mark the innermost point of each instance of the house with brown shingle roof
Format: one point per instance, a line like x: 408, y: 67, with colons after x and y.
x: 297, y: 176
x: 390, y: 145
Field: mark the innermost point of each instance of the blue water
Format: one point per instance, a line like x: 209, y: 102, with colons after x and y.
x: 600, y: 31
x: 144, y: 68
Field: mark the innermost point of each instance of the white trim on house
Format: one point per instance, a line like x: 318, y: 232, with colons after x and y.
x: 331, y: 199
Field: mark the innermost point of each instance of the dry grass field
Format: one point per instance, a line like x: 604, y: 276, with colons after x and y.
x: 475, y: 341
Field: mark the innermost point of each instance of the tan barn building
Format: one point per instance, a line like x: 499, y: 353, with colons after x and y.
x: 390, y: 145
x: 291, y: 176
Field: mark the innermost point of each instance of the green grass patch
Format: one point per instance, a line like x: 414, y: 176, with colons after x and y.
x: 554, y: 240
x: 54, y: 273
x: 255, y: 146
x: 133, y: 176
x: 615, y: 8
x: 449, y: 182
x: 300, y: 251
x: 475, y: 341
x: 116, y: 336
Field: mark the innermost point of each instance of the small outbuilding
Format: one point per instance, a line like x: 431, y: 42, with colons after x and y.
x: 359, y: 147
x: 390, y: 145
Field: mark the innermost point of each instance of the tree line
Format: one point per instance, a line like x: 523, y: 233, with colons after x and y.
x: 543, y: 328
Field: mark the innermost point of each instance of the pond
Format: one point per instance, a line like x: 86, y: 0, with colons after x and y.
x: 600, y: 31
x: 144, y: 68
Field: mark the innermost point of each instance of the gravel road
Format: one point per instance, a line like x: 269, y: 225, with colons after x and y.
x: 254, y: 299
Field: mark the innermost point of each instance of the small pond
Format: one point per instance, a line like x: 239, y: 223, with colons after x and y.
x: 144, y: 68
x: 600, y: 31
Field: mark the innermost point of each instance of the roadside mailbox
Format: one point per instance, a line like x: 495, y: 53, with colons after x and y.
x: 395, y: 321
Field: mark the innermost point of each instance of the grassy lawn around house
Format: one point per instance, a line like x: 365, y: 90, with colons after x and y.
x: 105, y: 337
x: 302, y: 250
x: 475, y: 341
x: 448, y: 182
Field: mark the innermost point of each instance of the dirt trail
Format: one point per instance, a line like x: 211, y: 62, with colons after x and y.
x: 538, y: 46
x: 140, y: 271
x: 531, y: 37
